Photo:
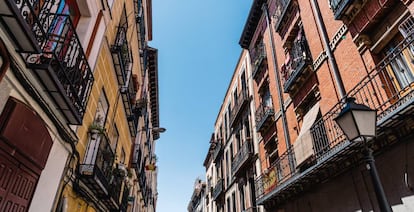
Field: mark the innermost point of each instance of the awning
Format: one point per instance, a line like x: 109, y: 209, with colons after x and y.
x: 303, y: 145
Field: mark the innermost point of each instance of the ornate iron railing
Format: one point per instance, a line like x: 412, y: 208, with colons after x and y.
x: 63, y: 55
x: 338, y: 7
x: 299, y: 58
x: 121, y: 54
x: 280, y: 10
x: 99, y: 160
x: 242, y: 98
x: 242, y: 156
x: 218, y: 189
x: 257, y: 55
x: 377, y: 90
x: 217, y: 150
x: 29, y: 10
x: 263, y: 112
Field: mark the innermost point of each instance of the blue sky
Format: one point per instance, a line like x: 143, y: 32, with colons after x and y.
x: 198, y: 50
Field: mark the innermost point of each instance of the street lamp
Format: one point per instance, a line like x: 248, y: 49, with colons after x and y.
x: 153, y: 129
x: 358, y: 122
x: 158, y: 129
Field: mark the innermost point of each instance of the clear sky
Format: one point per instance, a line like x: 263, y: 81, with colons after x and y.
x: 198, y: 50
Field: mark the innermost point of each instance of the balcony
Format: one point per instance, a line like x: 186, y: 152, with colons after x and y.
x: 258, y: 57
x: 20, y: 19
x: 242, y: 101
x: 242, y: 158
x: 218, y: 189
x: 125, y: 198
x: 112, y: 201
x: 96, y: 169
x: 280, y: 9
x: 339, y: 7
x: 264, y: 116
x: 217, y: 151
x: 297, y: 64
x: 332, y: 153
x: 61, y: 65
x: 347, y: 9
x: 122, y: 58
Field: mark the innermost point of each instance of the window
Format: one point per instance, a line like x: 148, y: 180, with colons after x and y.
x: 122, y: 158
x: 114, y: 136
x: 235, y: 97
x: 243, y: 83
x: 241, y: 190
x: 247, y: 128
x: 399, y: 66
x: 233, y: 199
x: 227, y: 171
x: 266, y: 97
x: 238, y: 141
x: 102, y: 110
x: 110, y: 3
x: 228, y: 204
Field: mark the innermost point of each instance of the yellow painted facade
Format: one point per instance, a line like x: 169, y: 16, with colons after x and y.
x: 105, y: 80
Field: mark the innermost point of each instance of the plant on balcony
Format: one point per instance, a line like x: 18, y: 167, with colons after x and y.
x: 96, y: 127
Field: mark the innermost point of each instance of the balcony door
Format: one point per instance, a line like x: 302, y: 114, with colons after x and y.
x: 400, y: 67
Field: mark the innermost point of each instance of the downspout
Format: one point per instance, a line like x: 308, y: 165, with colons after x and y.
x: 279, y: 90
x: 331, y: 58
x: 6, y: 59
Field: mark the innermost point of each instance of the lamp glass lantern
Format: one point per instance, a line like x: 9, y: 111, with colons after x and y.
x: 357, y: 121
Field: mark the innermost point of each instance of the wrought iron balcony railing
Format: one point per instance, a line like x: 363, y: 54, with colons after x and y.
x: 339, y: 7
x: 242, y: 100
x: 257, y: 55
x: 121, y: 55
x: 298, y: 59
x: 217, y: 150
x: 62, y: 66
x: 125, y: 198
x: 22, y: 23
x: 218, y: 189
x: 280, y: 10
x: 264, y: 116
x: 132, y: 111
x: 96, y: 170
x: 242, y: 157
x: 378, y: 91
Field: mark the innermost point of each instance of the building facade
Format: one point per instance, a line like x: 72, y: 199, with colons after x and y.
x: 198, y: 199
x: 79, y: 88
x: 232, y: 159
x: 307, y: 58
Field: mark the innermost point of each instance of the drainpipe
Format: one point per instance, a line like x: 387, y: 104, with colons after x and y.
x: 331, y: 58
x: 6, y: 59
x: 279, y: 89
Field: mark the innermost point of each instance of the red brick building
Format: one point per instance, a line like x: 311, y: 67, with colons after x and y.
x: 307, y: 57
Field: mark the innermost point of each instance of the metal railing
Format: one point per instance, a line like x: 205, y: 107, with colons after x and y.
x: 61, y: 51
x: 299, y: 57
x: 378, y: 90
x: 280, y: 10
x: 257, y: 55
x: 263, y: 112
x: 242, y: 98
x: 338, y: 7
x: 217, y: 150
x: 242, y: 156
x: 102, y: 160
x: 122, y: 55
x: 218, y: 189
x: 30, y: 9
